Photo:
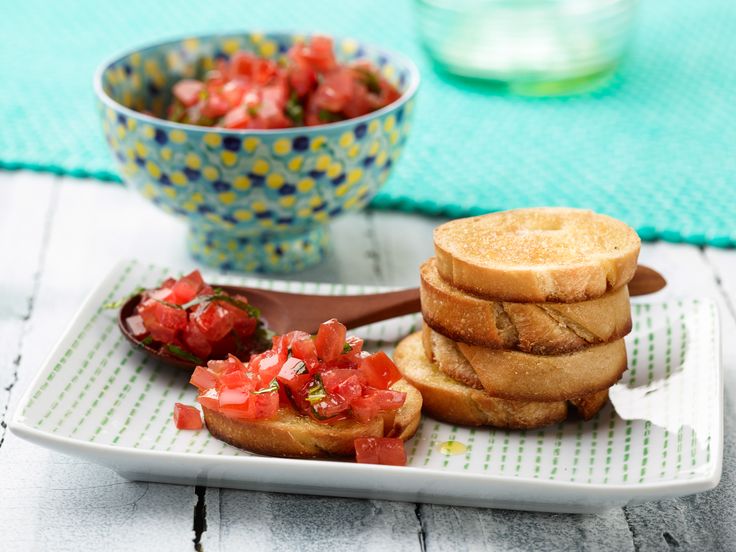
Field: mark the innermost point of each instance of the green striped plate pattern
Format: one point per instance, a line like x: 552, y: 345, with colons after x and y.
x: 663, y: 423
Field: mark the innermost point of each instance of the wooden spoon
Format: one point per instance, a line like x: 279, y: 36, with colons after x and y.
x: 283, y: 312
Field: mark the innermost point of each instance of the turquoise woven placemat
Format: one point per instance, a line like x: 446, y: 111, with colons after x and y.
x: 657, y: 148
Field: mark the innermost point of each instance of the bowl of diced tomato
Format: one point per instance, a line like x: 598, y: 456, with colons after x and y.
x: 259, y: 140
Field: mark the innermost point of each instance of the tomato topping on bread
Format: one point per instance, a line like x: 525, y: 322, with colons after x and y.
x: 280, y: 401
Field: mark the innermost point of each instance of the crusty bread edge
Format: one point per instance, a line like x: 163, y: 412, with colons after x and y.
x: 537, y: 284
x: 292, y: 435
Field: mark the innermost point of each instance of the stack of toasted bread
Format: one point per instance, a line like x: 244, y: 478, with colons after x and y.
x: 524, y: 312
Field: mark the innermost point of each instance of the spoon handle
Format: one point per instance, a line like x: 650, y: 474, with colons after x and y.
x: 375, y: 308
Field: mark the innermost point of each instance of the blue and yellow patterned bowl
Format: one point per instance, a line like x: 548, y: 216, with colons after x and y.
x: 256, y: 200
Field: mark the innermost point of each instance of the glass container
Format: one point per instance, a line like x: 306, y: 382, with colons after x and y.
x: 530, y: 47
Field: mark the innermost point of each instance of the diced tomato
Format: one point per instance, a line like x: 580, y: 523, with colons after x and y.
x: 335, y: 90
x: 161, y: 294
x: 241, y: 321
x: 252, y: 92
x: 375, y: 401
x: 215, y: 106
x: 302, y: 78
x: 136, y: 326
x: 232, y: 397
x: 209, y: 328
x: 187, y: 417
x: 350, y: 389
x: 331, y: 379
x: 266, y: 365
x: 379, y: 370
x: 236, y: 380
x: 380, y: 450
x: 233, y: 92
x: 161, y: 320
x: 230, y: 364
x: 186, y: 288
x: 329, y: 407
x: 361, y: 101
x: 293, y: 375
x: 187, y: 91
x: 210, y: 399
x: 283, y: 344
x: 236, y: 118
x: 364, y: 409
x: 355, y: 343
x: 306, y: 350
x: 317, y: 54
x: 196, y: 341
x: 385, y: 399
x: 263, y: 71
x: 264, y: 405
x: 203, y: 378
x: 241, y: 64
x: 343, y: 361
x: 214, y: 320
x: 330, y: 340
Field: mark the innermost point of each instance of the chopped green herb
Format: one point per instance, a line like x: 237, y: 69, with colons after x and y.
x: 316, y: 391
x: 196, y: 301
x: 370, y: 80
x: 252, y: 111
x: 147, y: 340
x: 328, y: 116
x: 172, y: 305
x: 346, y: 348
x: 273, y: 386
x: 182, y: 354
x: 220, y: 295
x: 120, y: 302
x: 294, y: 110
x: 301, y: 368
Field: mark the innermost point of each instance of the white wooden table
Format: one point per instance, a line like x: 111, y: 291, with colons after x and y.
x: 59, y: 236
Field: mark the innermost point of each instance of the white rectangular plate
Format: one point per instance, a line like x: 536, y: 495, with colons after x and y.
x: 98, y: 398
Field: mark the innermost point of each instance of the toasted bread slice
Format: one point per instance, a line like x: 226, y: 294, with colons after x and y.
x: 538, y: 328
x: 443, y: 352
x: 292, y: 435
x: 525, y: 377
x: 451, y: 362
x: 450, y: 401
x: 589, y: 405
x: 537, y: 255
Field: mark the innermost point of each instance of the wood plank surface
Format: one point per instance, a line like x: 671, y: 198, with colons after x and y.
x: 49, y: 501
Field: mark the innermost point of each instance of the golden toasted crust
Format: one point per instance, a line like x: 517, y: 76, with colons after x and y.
x: 446, y: 354
x: 538, y: 328
x: 537, y: 255
x: 521, y: 376
x: 290, y: 434
x: 450, y: 401
x: 449, y: 360
x: 589, y: 405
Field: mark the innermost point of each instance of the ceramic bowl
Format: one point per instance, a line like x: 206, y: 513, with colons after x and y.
x: 255, y: 200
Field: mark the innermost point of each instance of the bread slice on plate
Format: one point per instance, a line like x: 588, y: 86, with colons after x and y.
x: 447, y: 355
x: 525, y: 377
x: 450, y: 401
x: 294, y: 435
x: 589, y: 405
x: 546, y: 254
x: 538, y: 328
